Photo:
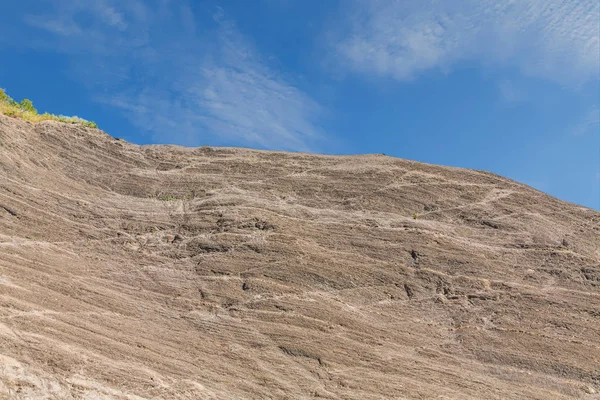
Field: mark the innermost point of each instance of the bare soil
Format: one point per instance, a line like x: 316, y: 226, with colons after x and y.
x: 163, y: 272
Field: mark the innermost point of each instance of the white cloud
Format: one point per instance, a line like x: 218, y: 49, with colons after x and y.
x: 552, y: 39
x: 63, y: 19
x: 180, y: 85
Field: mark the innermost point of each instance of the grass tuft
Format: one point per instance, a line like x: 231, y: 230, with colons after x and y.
x: 26, y: 111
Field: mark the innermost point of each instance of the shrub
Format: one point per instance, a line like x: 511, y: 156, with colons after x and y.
x: 4, y: 98
x: 27, y: 105
x: 26, y: 111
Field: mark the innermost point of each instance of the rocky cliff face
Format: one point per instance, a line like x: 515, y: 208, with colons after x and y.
x: 133, y: 272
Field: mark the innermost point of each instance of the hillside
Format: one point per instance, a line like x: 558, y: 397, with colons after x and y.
x: 142, y: 272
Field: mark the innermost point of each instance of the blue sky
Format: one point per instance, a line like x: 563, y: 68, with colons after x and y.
x: 512, y: 87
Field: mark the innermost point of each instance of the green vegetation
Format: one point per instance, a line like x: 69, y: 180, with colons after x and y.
x: 167, y: 196
x: 26, y: 111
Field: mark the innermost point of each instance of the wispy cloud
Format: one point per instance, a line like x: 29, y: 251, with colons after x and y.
x: 179, y: 84
x: 551, y: 39
x: 56, y: 26
x: 109, y: 15
x: 589, y: 122
x: 510, y: 92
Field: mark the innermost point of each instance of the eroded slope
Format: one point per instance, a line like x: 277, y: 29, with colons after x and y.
x: 165, y: 272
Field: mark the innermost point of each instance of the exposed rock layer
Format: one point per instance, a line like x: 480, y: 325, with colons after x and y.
x: 135, y: 272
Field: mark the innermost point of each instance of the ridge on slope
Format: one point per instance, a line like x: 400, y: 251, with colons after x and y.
x: 166, y: 272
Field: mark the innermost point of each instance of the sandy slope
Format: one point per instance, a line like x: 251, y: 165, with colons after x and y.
x: 134, y: 272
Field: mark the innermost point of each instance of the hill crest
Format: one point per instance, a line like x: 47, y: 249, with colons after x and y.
x: 167, y: 272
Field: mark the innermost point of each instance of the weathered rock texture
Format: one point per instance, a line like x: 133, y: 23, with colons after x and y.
x: 164, y: 272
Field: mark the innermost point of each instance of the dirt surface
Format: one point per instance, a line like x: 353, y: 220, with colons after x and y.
x: 162, y: 272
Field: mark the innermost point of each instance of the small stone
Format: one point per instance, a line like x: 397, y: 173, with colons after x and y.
x: 589, y: 390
